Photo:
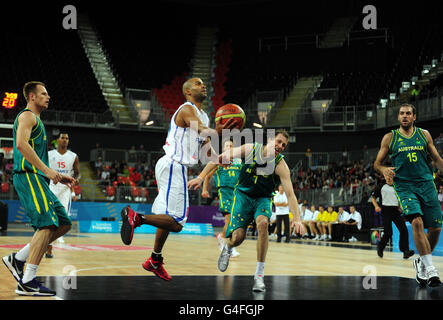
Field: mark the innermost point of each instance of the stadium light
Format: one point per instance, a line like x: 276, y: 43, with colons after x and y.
x: 149, y: 123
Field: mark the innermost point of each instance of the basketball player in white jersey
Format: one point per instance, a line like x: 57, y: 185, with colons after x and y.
x: 182, y: 147
x: 66, y: 162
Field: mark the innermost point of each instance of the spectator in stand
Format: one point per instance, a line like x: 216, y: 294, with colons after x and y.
x: 318, y: 225
x: 352, y: 225
x: 308, y: 218
x: 135, y: 176
x: 332, y: 219
x: 105, y: 176
x: 338, y: 228
x: 98, y: 164
x: 113, y: 174
x: 440, y: 194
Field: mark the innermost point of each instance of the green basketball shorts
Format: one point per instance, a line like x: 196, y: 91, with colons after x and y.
x: 245, y: 209
x: 41, y: 205
x: 420, y: 198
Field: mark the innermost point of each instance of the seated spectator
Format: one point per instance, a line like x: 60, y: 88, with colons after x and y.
x: 135, y: 176
x: 332, y: 219
x: 352, y: 225
x: 440, y: 194
x: 307, y: 218
x: 337, y: 229
x: 316, y: 225
x: 105, y: 176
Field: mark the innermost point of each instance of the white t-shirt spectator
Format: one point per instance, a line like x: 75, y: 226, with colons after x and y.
x: 308, y: 216
x: 357, y: 217
x: 314, y: 217
x: 344, y: 216
x: 281, y: 198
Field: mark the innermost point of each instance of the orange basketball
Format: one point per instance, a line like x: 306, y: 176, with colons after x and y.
x: 229, y: 111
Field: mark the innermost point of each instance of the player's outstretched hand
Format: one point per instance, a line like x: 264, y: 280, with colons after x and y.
x: 69, y: 181
x: 53, y: 175
x: 195, y: 183
x: 230, y: 124
x: 299, y: 228
x: 205, y: 194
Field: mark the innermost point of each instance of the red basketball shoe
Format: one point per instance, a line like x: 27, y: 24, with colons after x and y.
x: 130, y: 221
x: 157, y: 268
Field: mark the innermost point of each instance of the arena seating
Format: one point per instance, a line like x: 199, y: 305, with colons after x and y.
x: 170, y: 95
x: 57, y: 59
x: 144, y: 52
x: 222, y: 61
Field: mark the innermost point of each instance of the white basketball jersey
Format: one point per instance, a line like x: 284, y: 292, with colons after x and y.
x: 183, y: 144
x: 62, y: 163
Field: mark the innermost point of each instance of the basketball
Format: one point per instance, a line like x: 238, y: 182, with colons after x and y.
x: 229, y: 111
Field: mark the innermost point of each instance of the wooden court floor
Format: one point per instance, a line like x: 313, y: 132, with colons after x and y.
x: 191, y: 260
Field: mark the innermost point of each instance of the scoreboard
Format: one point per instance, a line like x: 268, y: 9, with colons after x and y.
x: 9, y: 99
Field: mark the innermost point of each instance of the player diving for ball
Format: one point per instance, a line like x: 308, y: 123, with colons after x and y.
x: 264, y: 168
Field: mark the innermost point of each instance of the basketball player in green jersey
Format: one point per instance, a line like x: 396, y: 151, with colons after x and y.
x: 411, y: 150
x: 31, y: 181
x: 263, y: 170
x: 225, y: 180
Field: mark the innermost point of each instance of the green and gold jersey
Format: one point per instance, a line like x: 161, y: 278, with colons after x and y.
x: 257, y: 178
x: 410, y: 156
x: 228, y: 177
x: 37, y: 141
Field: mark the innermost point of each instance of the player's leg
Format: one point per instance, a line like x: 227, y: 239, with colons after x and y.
x: 169, y: 207
x: 241, y: 217
x: 424, y: 266
x: 60, y: 204
x: 263, y: 238
x: 263, y: 212
x: 155, y: 262
x: 433, y: 236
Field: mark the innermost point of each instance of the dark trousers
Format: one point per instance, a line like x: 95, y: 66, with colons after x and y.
x: 285, y: 219
x: 391, y: 214
x: 337, y: 232
x: 349, y: 230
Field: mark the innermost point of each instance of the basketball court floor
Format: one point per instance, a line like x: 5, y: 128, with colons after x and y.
x: 100, y: 267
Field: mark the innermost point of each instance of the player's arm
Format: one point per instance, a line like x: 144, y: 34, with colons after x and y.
x: 375, y: 204
x: 195, y: 183
x: 387, y: 172
x: 283, y: 172
x: 26, y: 121
x: 433, y: 153
x: 205, y: 188
x: 237, y: 152
x: 188, y: 118
x: 76, y: 168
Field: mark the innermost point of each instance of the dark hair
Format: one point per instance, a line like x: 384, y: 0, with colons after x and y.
x: 282, y: 132
x: 62, y: 132
x: 408, y: 105
x: 30, y: 87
